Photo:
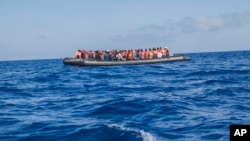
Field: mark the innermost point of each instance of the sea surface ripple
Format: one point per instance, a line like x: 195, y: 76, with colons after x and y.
x: 196, y: 100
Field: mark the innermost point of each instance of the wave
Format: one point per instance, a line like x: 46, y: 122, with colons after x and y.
x: 110, y: 132
x: 137, y: 133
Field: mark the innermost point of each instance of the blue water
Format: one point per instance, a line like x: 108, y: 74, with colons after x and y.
x: 195, y: 100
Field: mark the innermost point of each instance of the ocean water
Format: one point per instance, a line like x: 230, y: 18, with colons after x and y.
x: 196, y: 100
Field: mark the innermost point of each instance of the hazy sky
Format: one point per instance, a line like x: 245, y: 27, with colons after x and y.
x: 40, y: 29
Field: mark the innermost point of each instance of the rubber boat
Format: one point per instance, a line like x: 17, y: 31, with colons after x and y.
x: 82, y: 62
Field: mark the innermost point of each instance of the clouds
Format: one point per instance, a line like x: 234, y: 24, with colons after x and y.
x: 236, y: 20
x: 187, y: 25
x: 60, y: 28
x: 191, y: 34
x: 168, y: 30
x: 228, y: 20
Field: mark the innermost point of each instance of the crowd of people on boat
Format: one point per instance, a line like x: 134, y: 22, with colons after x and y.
x: 122, y: 55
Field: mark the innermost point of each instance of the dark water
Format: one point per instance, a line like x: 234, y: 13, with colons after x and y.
x: 196, y: 100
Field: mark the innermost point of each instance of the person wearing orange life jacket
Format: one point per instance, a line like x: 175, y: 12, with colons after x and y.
x: 130, y: 55
x: 126, y: 55
x: 91, y: 55
x: 83, y: 54
x: 78, y: 53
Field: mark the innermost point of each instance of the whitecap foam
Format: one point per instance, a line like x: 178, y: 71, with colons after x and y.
x: 145, y: 135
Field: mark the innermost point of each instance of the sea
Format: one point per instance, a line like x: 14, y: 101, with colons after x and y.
x: 197, y: 100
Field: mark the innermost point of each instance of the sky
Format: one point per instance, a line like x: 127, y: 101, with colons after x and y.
x: 50, y: 29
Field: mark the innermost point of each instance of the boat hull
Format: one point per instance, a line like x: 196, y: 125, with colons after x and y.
x: 82, y: 62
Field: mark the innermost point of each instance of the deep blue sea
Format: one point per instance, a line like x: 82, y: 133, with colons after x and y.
x: 42, y: 100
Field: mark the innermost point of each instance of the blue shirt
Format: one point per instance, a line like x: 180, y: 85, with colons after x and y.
x: 106, y: 57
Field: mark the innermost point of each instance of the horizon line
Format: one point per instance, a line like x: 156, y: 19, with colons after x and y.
x: 11, y: 60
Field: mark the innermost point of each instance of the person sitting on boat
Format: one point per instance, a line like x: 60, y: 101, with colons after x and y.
x: 86, y: 55
x: 134, y: 54
x: 119, y: 56
x: 98, y: 55
x: 154, y: 53
x: 123, y: 53
x: 159, y: 53
x: 91, y: 55
x: 151, y: 54
x: 107, y: 56
x: 83, y: 54
x: 142, y: 54
x: 102, y: 55
x: 146, y: 54
x: 78, y: 53
x: 138, y: 54
x: 130, y: 55
x: 166, y: 51
x: 111, y: 56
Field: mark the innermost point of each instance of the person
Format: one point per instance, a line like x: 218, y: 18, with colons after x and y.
x: 83, y: 54
x: 116, y: 55
x: 119, y: 56
x: 97, y: 55
x: 134, y: 54
x: 78, y: 54
x: 102, y: 55
x: 154, y: 53
x: 166, y: 51
x: 123, y: 53
x: 111, y: 56
x: 142, y: 54
x: 106, y: 56
x: 91, y: 55
x: 163, y: 53
x: 146, y: 54
x: 159, y: 53
x: 151, y: 54
x: 130, y: 55
x: 138, y: 55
